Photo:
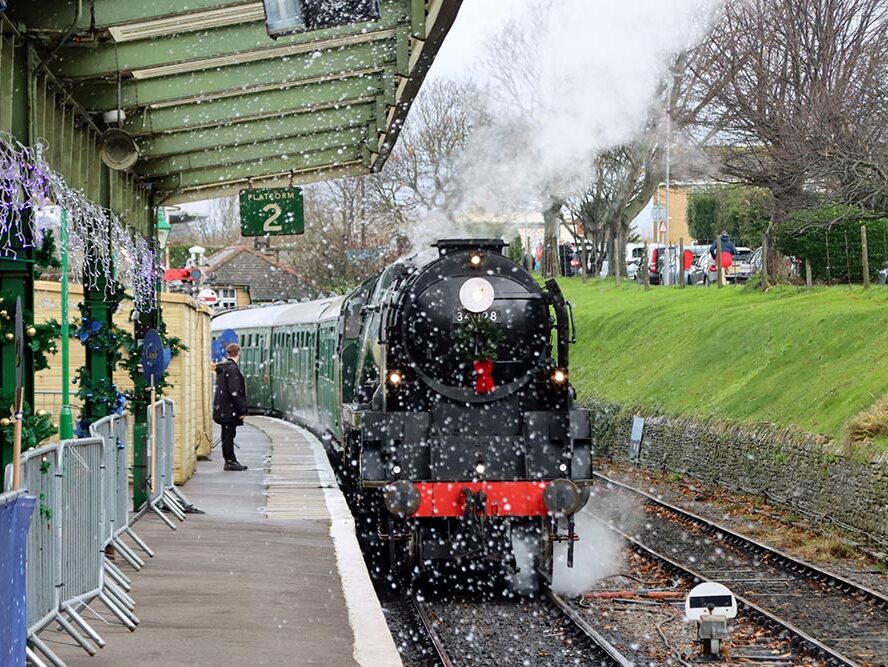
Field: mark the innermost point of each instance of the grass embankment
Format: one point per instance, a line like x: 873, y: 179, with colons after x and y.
x: 816, y: 360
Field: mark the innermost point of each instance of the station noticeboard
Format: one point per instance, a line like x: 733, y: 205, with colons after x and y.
x: 271, y: 212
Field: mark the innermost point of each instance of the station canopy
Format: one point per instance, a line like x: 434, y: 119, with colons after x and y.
x: 214, y: 103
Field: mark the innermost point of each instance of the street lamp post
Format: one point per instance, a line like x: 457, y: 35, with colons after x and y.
x: 66, y: 417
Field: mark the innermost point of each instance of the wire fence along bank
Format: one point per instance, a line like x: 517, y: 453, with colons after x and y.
x: 80, y: 489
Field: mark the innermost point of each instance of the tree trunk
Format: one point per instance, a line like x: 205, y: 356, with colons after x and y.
x: 551, y: 224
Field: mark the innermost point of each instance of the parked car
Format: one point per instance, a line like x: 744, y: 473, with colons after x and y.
x: 699, y: 273
x: 883, y: 275
x: 705, y: 271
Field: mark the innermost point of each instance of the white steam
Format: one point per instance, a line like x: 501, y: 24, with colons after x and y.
x: 586, y: 75
x: 599, y: 551
x: 596, y: 555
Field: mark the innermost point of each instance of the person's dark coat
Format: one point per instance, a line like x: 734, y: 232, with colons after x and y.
x: 727, y: 246
x: 230, y: 398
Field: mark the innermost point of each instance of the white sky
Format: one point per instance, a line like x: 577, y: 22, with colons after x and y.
x: 477, y: 19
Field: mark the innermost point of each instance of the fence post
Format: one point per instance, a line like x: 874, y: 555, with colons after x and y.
x: 809, y: 281
x: 719, y: 264
x: 863, y: 249
x: 681, y: 262
x: 644, y: 268
x: 616, y: 261
x: 764, y: 261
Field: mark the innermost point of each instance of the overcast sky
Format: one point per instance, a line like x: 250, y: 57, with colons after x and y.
x: 476, y: 21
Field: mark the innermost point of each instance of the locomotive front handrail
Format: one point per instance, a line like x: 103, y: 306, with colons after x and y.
x: 573, y: 324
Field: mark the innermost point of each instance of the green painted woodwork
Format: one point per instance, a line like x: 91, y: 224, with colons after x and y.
x: 211, y: 83
x: 256, y: 131
x: 232, y: 173
x: 105, y: 59
x: 16, y: 276
x: 57, y: 14
x: 274, y: 102
x: 251, y: 152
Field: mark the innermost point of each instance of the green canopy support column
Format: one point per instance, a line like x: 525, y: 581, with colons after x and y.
x: 146, y: 321
x: 16, y: 275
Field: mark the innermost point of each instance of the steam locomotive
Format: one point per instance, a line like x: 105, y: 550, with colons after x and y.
x: 442, y: 389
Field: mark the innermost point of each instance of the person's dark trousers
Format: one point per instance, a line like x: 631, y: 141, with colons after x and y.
x: 228, y: 433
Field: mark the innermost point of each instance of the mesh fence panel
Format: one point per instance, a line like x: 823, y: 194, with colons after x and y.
x: 82, y: 525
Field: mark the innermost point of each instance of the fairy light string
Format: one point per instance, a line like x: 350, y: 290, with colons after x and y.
x: 104, y: 254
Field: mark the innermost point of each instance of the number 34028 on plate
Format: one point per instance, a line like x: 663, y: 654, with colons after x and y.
x: 271, y: 211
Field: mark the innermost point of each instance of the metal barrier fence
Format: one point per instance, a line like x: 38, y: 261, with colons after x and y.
x: 163, y: 493
x: 81, y: 490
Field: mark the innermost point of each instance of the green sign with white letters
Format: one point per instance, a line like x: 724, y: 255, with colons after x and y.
x: 271, y: 212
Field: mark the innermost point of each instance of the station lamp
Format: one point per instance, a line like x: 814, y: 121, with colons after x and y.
x: 163, y: 229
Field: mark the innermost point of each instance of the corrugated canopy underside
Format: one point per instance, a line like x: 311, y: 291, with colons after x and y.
x: 214, y: 103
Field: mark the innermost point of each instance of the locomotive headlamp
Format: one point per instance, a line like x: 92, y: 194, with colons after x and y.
x: 401, y: 498
x: 562, y: 497
x: 475, y: 260
x: 560, y: 376
x: 476, y: 295
x: 395, y: 378
x: 480, y: 468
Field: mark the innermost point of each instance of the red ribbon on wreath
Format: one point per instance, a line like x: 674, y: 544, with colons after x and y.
x: 484, y: 376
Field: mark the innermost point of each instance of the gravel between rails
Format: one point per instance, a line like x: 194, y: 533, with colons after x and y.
x: 521, y: 631
x: 852, y: 627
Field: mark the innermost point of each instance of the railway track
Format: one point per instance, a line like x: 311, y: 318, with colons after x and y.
x: 542, y: 631
x: 844, y: 622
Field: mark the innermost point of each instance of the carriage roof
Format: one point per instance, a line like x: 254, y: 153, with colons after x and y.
x: 278, y: 315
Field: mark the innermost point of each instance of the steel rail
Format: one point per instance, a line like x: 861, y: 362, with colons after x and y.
x: 615, y: 656
x: 784, y: 559
x: 432, y: 633
x: 798, y: 636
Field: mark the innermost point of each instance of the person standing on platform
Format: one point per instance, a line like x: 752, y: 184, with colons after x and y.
x: 230, y: 404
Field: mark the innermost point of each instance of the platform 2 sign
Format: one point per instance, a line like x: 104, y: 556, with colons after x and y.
x: 271, y: 212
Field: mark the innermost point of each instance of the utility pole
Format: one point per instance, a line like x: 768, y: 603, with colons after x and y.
x: 865, y: 257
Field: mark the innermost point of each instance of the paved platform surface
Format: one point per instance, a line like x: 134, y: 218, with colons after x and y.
x: 270, y: 575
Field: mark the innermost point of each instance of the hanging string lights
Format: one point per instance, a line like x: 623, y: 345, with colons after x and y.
x: 103, y: 252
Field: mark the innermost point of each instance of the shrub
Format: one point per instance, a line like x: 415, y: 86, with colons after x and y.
x: 830, y: 238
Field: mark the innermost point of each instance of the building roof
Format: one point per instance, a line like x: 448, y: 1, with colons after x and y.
x: 266, y: 279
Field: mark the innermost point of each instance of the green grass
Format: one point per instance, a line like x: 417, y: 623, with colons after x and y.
x: 808, y: 359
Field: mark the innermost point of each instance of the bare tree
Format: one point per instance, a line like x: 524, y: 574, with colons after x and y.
x: 348, y: 237
x: 423, y: 172
x: 222, y: 225
x: 789, y: 95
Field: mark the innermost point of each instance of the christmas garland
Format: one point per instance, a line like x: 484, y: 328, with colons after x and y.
x: 40, y: 338
x: 36, y: 427
x: 140, y: 395
x: 45, y: 254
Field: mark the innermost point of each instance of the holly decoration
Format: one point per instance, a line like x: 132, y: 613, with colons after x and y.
x: 478, y: 340
x: 36, y: 427
x: 39, y: 338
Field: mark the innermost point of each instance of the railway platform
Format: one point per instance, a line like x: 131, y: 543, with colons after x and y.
x: 270, y: 575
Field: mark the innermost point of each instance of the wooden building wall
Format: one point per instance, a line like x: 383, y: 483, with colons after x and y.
x: 189, y: 373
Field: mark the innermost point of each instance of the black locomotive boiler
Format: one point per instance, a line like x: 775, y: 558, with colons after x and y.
x: 442, y: 386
